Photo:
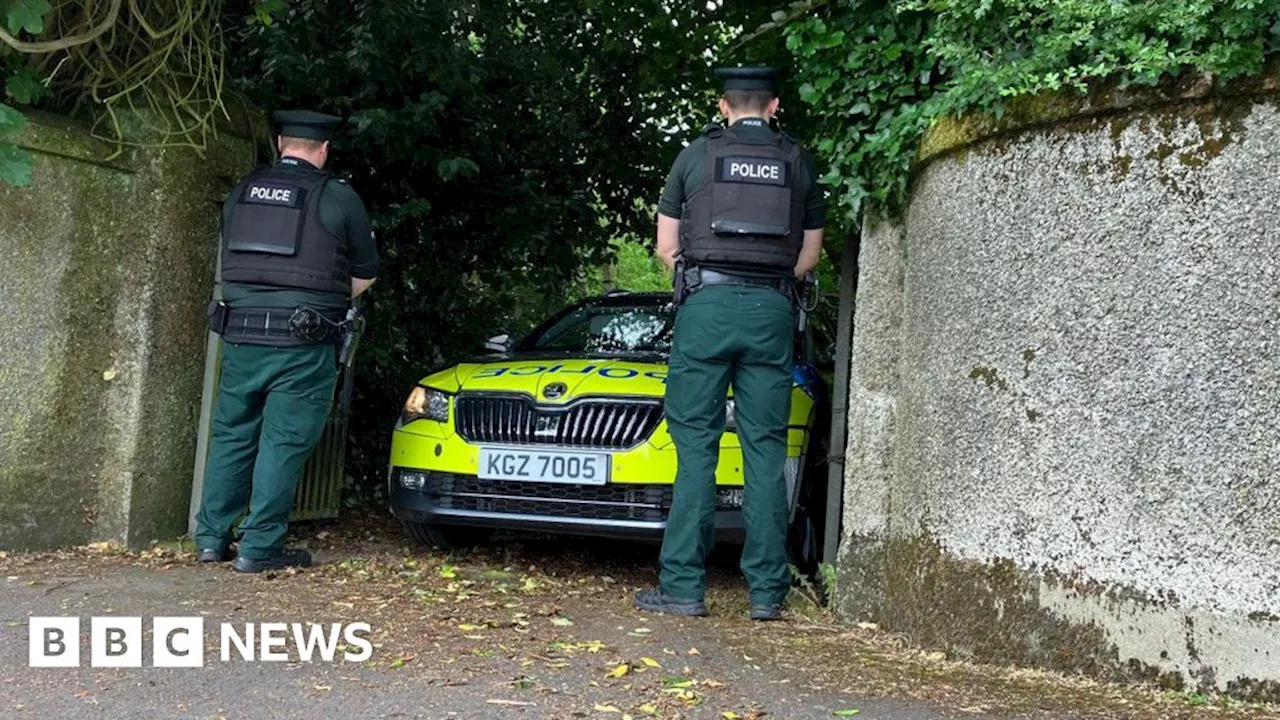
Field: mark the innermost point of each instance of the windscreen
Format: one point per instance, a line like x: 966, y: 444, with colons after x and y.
x: 609, y: 329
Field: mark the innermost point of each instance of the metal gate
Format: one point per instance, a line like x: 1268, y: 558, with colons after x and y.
x: 320, y: 489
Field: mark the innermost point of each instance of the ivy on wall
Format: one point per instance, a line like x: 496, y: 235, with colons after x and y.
x: 876, y: 74
x: 21, y: 85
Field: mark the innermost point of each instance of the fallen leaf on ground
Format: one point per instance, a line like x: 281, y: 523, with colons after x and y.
x: 730, y: 715
x: 694, y: 651
x: 606, y: 708
x: 468, y: 628
x: 938, y: 656
x: 868, y: 626
x: 323, y: 687
x: 845, y: 713
x: 561, y: 621
x: 650, y: 662
x: 521, y: 703
x: 685, y: 695
x: 619, y: 671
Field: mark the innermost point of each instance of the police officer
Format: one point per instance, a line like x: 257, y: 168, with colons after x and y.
x: 741, y: 218
x: 296, y: 249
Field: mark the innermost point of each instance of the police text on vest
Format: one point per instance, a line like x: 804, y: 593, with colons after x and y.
x: 755, y: 172
x: 760, y: 171
x: 270, y: 194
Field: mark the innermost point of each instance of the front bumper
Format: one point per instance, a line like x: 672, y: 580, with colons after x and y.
x: 635, y: 511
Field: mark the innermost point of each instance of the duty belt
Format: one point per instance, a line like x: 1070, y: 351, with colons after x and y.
x: 715, y: 277
x: 279, y: 327
x: 690, y: 280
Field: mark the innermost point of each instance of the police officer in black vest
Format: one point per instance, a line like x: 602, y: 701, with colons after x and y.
x: 297, y: 248
x: 740, y: 220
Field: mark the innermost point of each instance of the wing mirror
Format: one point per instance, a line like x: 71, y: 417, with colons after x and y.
x: 498, y: 343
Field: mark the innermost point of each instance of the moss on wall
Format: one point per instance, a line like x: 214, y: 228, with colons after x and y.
x: 1204, y: 97
x: 111, y: 263
x: 1088, y: 286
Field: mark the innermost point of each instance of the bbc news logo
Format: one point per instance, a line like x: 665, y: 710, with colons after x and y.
x: 179, y: 642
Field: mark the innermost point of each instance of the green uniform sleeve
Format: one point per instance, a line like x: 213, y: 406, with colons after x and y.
x: 815, y: 204
x: 684, y: 176
x: 353, y: 222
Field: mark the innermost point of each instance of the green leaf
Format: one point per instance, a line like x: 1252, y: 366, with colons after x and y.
x: 15, y: 165
x: 25, y: 87
x: 450, y: 168
x: 26, y: 15
x: 266, y: 10
x: 845, y: 713
x: 11, y: 121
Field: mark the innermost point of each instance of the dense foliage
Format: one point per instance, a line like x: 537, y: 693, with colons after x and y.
x: 511, y: 151
x: 158, y: 61
x: 505, y: 150
x: 875, y: 74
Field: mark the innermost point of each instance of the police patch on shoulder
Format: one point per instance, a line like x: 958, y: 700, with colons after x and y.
x: 272, y: 193
x: 753, y: 170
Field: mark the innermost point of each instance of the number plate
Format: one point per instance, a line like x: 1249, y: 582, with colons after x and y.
x: 544, y: 466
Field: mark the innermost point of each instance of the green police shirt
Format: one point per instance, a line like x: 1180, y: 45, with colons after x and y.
x: 689, y: 172
x: 342, y: 213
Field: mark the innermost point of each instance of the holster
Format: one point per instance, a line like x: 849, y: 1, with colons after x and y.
x: 217, y: 312
x: 688, y: 281
x: 349, y: 337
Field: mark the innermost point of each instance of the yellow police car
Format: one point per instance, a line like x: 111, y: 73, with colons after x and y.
x: 563, y: 431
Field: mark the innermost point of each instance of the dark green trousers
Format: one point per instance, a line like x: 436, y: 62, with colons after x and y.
x: 739, y: 336
x: 271, y: 411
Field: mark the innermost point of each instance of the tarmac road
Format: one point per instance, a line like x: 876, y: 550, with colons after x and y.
x: 522, y: 630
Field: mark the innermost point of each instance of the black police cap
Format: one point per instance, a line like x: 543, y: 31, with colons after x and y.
x: 307, y: 124
x: 749, y: 78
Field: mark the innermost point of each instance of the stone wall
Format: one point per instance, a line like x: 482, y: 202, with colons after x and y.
x: 108, y: 266
x: 1065, y: 398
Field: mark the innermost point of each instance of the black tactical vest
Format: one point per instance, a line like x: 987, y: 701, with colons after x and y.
x: 274, y: 235
x: 749, y: 212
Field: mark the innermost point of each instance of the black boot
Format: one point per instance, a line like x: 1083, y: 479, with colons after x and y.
x: 213, y: 555
x: 289, y: 557
x: 654, y: 600
x: 768, y: 611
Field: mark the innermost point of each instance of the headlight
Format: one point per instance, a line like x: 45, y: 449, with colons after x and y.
x: 730, y: 416
x: 425, y: 403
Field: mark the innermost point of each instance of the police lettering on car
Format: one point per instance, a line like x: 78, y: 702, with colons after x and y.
x: 296, y: 250
x: 739, y: 221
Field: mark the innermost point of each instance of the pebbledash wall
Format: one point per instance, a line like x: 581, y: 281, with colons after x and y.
x: 1064, y: 441
x: 108, y: 264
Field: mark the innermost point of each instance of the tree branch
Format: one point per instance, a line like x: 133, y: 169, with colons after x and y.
x: 49, y: 46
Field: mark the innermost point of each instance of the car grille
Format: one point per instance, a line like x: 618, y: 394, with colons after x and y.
x: 601, y: 424
x: 595, y: 502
